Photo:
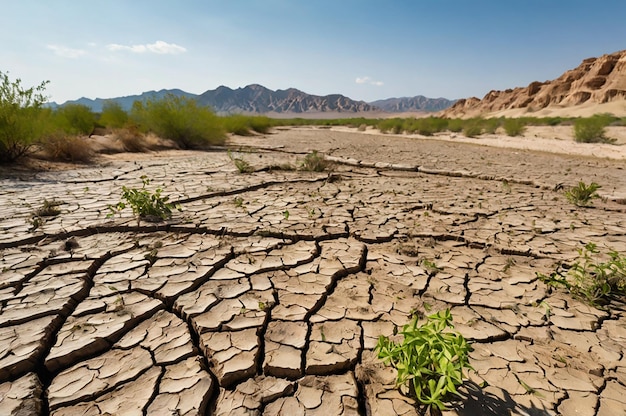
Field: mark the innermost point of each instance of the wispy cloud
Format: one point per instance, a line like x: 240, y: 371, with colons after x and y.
x: 369, y: 81
x: 158, y: 47
x: 66, y: 52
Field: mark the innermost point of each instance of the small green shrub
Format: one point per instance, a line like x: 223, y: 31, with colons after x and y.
x: 240, y: 163
x: 513, y: 127
x: 455, y: 125
x: 315, y: 162
x: 582, y: 194
x: 179, y: 119
x: 430, y: 359
x: 146, y: 205
x: 591, y: 130
x: 590, y: 280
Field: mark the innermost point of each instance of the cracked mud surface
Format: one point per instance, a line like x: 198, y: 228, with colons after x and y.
x: 267, y: 293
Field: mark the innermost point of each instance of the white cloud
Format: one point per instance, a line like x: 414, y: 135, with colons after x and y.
x: 158, y: 47
x: 368, y: 80
x: 66, y: 52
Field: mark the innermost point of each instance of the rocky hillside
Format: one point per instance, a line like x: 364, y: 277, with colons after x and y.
x: 258, y: 99
x: 595, y: 80
x: 417, y: 103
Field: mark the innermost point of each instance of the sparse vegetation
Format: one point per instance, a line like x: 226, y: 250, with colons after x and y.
x: 430, y: 359
x: 240, y: 163
x: 315, y: 162
x: 146, y: 205
x: 472, y: 129
x: 582, y: 194
x: 179, y: 119
x: 68, y: 148
x: 591, y: 280
x: 113, y: 116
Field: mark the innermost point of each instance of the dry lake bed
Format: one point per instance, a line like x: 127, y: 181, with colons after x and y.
x: 266, y: 293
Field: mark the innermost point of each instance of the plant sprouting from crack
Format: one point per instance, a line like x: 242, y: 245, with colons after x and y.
x: 315, y: 162
x: 582, y: 194
x: 430, y: 360
x: 240, y: 163
x: 593, y: 281
x: 146, y: 205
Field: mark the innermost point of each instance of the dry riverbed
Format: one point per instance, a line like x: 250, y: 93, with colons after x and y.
x: 267, y: 292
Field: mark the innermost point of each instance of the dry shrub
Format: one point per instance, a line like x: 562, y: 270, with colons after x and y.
x: 67, y: 148
x: 132, y: 140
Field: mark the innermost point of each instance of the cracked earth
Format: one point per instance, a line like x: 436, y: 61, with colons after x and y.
x: 266, y: 294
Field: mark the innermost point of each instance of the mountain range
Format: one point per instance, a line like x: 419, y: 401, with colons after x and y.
x: 256, y: 99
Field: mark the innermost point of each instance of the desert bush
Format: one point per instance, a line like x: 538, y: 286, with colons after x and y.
x: 430, y: 360
x: 391, y: 125
x: 179, y: 119
x: 67, y: 148
x: 113, y: 116
x: 76, y: 119
x: 472, y: 128
x: 490, y: 125
x: 362, y: 127
x: 591, y: 130
x: 20, y: 117
x: 315, y: 162
x: 455, y: 125
x: 513, y: 127
x: 132, y: 139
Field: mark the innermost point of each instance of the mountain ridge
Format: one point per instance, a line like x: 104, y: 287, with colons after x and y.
x: 596, y: 81
x: 257, y: 99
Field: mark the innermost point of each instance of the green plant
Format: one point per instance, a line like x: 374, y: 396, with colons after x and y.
x: 238, y: 201
x: 20, y: 117
x: 146, y: 205
x: 286, y: 214
x: 582, y: 194
x: 592, y: 281
x: 49, y: 208
x: 315, y: 162
x: 472, y: 129
x: 591, y: 130
x: 180, y: 119
x: 113, y: 116
x: 241, y: 164
x: 74, y: 119
x: 513, y: 127
x: 430, y: 360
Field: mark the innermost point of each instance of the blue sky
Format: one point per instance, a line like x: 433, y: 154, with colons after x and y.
x: 364, y: 49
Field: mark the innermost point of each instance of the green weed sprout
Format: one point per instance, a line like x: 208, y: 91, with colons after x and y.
x: 146, y: 205
x: 582, y: 194
x: 589, y: 280
x: 430, y: 360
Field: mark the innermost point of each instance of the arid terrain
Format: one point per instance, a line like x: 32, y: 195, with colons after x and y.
x: 266, y: 293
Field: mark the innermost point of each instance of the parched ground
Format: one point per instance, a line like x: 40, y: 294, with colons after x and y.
x: 266, y: 294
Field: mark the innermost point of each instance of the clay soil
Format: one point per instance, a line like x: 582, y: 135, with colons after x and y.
x: 266, y: 293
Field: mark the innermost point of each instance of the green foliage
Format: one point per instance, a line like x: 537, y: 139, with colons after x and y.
x: 590, y: 280
x: 592, y: 129
x: 146, y: 205
x: 74, y: 119
x: 472, y: 128
x: 455, y: 125
x: 315, y: 162
x: 241, y: 164
x: 245, y: 125
x: 179, y: 119
x: 582, y: 194
x: 391, y: 125
x: 113, y: 116
x: 514, y: 127
x: 20, y: 117
x: 430, y: 359
x: 490, y: 125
